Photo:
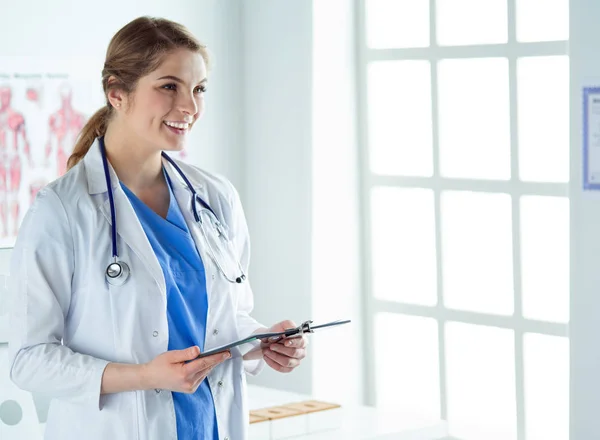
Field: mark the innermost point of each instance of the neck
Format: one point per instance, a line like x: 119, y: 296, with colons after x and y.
x: 138, y: 167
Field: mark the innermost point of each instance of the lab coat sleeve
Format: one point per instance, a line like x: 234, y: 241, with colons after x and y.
x: 40, y: 293
x: 246, y: 324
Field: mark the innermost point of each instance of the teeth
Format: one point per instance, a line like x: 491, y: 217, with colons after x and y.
x: 180, y: 125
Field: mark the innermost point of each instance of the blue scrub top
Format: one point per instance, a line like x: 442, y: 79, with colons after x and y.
x: 187, y: 307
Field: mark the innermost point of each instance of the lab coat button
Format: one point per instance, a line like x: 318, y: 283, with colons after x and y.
x: 216, y: 331
x: 220, y: 383
x: 213, y: 276
x: 155, y: 334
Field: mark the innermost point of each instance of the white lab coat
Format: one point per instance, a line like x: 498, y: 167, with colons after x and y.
x: 67, y: 323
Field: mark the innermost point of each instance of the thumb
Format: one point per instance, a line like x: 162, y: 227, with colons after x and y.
x: 285, y: 325
x: 184, y: 355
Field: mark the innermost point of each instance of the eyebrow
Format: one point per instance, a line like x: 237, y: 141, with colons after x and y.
x: 178, y: 80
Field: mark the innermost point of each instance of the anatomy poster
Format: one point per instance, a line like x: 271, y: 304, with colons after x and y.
x: 44, y: 103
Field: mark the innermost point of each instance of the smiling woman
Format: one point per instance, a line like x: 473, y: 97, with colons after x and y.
x: 115, y: 341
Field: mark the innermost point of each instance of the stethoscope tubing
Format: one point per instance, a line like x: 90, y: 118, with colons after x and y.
x: 195, y: 197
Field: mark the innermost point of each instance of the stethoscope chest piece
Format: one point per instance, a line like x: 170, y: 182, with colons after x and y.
x: 117, y: 273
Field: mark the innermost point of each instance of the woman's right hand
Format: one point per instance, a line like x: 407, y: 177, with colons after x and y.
x: 172, y: 371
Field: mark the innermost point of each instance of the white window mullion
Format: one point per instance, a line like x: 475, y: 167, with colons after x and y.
x: 438, y: 227
x: 523, y: 325
x: 516, y: 215
x: 512, y: 49
x: 370, y: 392
x: 455, y: 184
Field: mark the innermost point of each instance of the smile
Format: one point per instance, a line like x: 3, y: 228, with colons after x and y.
x: 180, y: 125
x: 179, y: 128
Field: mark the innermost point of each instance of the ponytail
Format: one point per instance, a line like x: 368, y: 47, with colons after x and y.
x: 94, y: 128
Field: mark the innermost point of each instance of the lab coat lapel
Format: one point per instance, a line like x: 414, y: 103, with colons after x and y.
x: 129, y: 228
x: 184, y: 198
x: 131, y: 232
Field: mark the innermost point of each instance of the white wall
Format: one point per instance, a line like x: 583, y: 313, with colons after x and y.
x: 277, y: 68
x: 584, y: 326
x: 336, y: 274
x: 301, y: 182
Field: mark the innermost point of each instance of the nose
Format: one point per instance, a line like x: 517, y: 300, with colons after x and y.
x: 188, y: 104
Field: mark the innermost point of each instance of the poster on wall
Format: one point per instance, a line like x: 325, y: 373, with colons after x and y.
x: 44, y: 103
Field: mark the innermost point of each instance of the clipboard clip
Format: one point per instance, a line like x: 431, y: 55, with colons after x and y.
x: 305, y: 327
x: 295, y: 332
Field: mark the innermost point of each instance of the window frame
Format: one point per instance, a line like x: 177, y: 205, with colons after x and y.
x: 512, y: 50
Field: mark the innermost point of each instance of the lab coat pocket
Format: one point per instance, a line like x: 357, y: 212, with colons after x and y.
x: 118, y: 402
x: 122, y: 408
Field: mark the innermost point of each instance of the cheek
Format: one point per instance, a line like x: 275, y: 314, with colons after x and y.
x: 153, y: 110
x: 160, y: 104
x: 153, y: 102
x: 200, y: 106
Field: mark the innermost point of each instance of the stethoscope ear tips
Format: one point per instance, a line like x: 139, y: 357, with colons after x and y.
x: 117, y: 273
x: 240, y: 279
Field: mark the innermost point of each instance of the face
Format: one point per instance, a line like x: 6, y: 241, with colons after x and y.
x: 167, y: 102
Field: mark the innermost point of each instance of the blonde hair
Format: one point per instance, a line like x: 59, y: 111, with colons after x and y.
x: 134, y: 51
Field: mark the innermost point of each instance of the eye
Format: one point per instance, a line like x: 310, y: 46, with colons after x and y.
x: 200, y: 89
x: 170, y: 87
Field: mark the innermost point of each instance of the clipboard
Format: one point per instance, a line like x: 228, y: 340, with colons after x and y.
x: 305, y: 327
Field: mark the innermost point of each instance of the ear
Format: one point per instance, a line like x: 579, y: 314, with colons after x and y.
x: 115, y: 96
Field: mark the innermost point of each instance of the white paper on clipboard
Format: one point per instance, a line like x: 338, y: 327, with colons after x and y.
x: 591, y: 138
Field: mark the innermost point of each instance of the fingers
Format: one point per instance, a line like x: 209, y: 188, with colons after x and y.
x: 281, y: 360
x: 193, y: 378
x: 287, y: 324
x: 200, y: 376
x: 207, y: 362
x: 275, y: 366
x: 191, y: 384
x: 295, y: 342
x: 286, y: 355
x: 293, y: 352
x: 292, y: 341
x: 190, y: 353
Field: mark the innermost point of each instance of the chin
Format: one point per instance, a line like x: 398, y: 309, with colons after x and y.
x: 175, y: 146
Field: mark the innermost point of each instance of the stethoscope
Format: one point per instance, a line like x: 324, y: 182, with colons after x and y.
x: 117, y: 272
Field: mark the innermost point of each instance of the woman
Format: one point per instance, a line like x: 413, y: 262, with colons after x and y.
x: 119, y: 275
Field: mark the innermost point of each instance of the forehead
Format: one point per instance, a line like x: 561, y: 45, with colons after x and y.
x: 184, y: 64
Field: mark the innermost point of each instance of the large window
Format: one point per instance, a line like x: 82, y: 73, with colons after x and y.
x: 464, y: 110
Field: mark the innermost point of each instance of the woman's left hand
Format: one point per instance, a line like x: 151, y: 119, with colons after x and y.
x: 286, y: 354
